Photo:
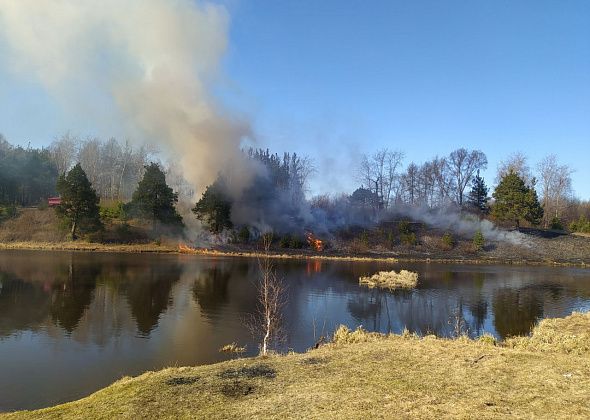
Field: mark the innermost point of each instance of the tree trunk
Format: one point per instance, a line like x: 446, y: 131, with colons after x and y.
x: 73, y: 231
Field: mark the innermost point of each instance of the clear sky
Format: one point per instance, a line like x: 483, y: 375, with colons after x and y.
x: 334, y: 78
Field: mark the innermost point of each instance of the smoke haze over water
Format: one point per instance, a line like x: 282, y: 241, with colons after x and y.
x: 151, y: 63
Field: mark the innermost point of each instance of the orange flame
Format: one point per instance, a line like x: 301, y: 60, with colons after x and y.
x: 314, y: 242
x: 184, y: 248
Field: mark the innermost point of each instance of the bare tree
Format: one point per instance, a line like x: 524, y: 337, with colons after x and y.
x: 443, y: 180
x: 463, y: 165
x: 411, y: 184
x: 89, y: 158
x: 271, y: 301
x: 517, y: 163
x: 64, y: 152
x: 379, y: 174
x: 556, y: 185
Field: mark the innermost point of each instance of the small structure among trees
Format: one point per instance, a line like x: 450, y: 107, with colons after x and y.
x: 516, y: 201
x: 79, y: 202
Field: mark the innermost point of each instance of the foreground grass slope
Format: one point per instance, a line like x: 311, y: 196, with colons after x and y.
x: 364, y: 375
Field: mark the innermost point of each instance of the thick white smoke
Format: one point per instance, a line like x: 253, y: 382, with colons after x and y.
x: 449, y: 218
x: 152, y: 61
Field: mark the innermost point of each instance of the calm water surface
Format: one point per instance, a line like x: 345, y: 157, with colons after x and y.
x: 71, y: 323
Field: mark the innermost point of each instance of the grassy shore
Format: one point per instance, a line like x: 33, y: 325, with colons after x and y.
x: 364, y: 375
x: 253, y: 253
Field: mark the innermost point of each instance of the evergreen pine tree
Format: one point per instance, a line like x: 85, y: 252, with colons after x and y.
x: 79, y: 202
x: 478, y: 196
x: 154, y: 199
x: 214, y: 208
x: 514, y: 201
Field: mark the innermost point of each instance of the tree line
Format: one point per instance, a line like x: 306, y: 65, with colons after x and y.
x: 445, y: 180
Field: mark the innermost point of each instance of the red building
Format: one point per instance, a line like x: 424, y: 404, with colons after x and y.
x: 54, y: 201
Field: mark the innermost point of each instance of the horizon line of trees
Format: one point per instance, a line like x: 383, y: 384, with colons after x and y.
x: 115, y: 169
x: 443, y: 181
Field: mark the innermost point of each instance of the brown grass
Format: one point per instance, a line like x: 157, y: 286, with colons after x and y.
x: 32, y: 225
x: 391, y: 280
x: 89, y: 246
x: 568, y: 335
x: 362, y: 375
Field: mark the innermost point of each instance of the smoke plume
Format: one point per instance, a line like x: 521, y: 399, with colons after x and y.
x: 151, y: 64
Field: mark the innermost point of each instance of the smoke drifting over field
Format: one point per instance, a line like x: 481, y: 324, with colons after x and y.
x: 450, y: 219
x: 152, y: 61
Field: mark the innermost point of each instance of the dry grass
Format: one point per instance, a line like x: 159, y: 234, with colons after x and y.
x: 361, y: 375
x: 232, y: 348
x: 32, y: 225
x: 391, y: 280
x: 88, y: 246
x: 568, y: 335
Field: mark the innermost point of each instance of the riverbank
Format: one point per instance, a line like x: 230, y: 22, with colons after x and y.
x: 250, y: 252
x: 371, y: 376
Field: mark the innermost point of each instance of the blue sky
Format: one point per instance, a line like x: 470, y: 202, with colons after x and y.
x: 332, y: 79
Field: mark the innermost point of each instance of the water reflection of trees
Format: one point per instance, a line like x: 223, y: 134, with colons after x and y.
x: 23, y: 306
x: 210, y: 289
x: 516, y: 311
x: 148, y: 294
x: 60, y: 290
x: 72, y: 293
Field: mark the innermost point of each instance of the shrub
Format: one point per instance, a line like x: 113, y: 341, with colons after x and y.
x: 581, y: 225
x: 285, y: 241
x: 112, y: 212
x: 343, y: 335
x: 404, y: 227
x: 478, y: 241
x: 244, y: 235
x: 556, y: 224
x: 448, y: 242
x: 487, y: 339
x: 364, y: 238
x: 43, y: 205
x: 296, y: 242
x: 390, y: 239
x: 409, y: 239
x: 8, y: 212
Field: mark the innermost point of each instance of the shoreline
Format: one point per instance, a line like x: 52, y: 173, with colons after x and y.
x: 249, y: 253
x: 376, y: 374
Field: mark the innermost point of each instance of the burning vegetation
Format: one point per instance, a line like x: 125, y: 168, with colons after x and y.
x: 314, y: 242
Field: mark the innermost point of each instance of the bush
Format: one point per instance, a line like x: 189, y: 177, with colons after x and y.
x: 478, y: 241
x: 581, y: 225
x: 556, y: 224
x: 112, y: 212
x: 448, y: 241
x: 8, y: 212
x: 296, y: 242
x: 487, y: 339
x: 404, y: 227
x: 285, y: 241
x: 409, y: 239
x: 244, y: 235
x: 43, y: 205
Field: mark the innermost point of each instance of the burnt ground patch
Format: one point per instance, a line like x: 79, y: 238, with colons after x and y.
x: 236, y: 388
x: 181, y: 380
x: 314, y: 361
x: 256, y: 371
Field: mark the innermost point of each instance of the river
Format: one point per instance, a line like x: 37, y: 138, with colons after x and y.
x: 73, y: 322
